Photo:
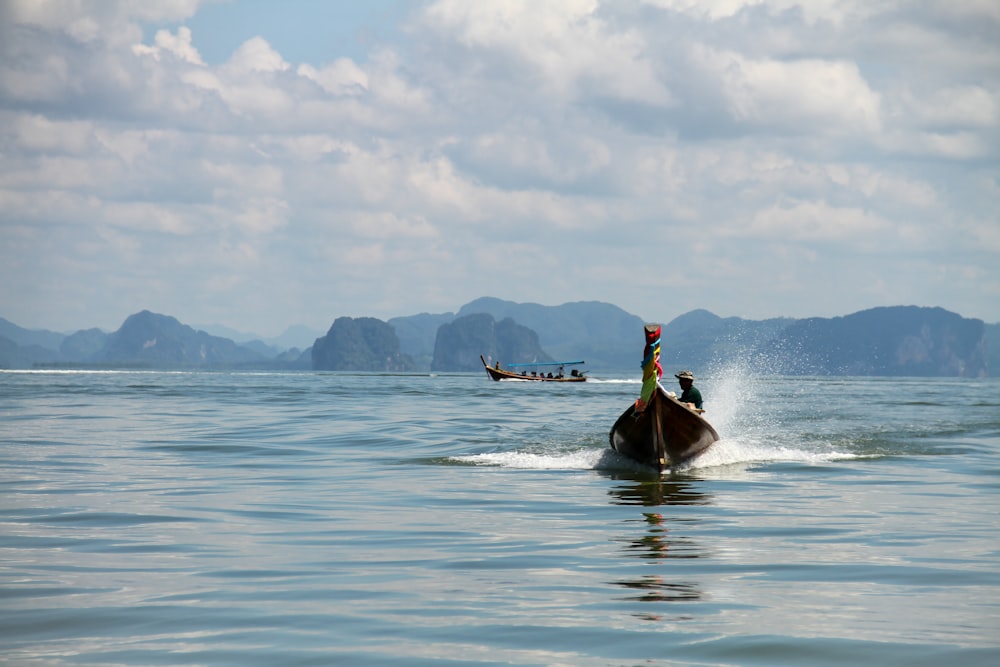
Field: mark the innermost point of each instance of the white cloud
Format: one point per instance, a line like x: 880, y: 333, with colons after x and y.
x: 804, y: 95
x: 239, y: 179
x: 532, y: 151
x: 178, y: 45
x: 254, y: 56
x: 966, y: 106
x: 341, y: 77
x: 565, y: 47
x: 262, y: 215
x: 148, y: 217
x: 59, y: 14
x: 35, y: 133
x: 390, y: 225
x: 812, y: 11
x: 817, y: 221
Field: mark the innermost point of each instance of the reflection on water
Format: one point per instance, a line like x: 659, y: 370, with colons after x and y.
x: 659, y: 542
x: 654, y: 492
x: 654, y: 589
x: 659, y: 539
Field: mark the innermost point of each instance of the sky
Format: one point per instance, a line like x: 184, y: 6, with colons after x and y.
x: 266, y: 164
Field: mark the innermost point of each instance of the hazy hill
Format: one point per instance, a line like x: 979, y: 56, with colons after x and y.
x: 42, y: 338
x: 145, y: 339
x: 460, y: 343
x: 600, y: 333
x: 993, y: 348
x: 83, y: 346
x: 160, y: 341
x: 417, y: 335
x: 897, y: 340
x: 13, y: 355
x: 362, y: 344
x: 700, y: 339
x: 296, y: 336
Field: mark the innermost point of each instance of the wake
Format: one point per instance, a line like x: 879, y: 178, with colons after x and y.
x: 724, y: 453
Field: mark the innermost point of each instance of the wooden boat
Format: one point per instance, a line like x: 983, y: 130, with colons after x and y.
x: 665, y: 434
x: 658, y: 430
x: 498, y: 373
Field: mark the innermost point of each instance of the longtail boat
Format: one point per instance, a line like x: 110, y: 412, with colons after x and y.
x: 658, y: 430
x: 498, y: 373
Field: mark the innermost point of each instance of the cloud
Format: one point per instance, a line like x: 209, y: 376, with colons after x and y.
x: 810, y: 95
x: 579, y: 149
x: 178, y: 45
x: 565, y: 47
x: 816, y: 222
x: 341, y: 77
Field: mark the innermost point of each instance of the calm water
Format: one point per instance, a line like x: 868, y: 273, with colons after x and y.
x: 152, y: 518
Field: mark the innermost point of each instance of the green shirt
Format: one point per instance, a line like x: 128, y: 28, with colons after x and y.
x: 691, y: 395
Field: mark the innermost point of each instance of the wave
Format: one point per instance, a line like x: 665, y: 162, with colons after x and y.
x: 721, y: 454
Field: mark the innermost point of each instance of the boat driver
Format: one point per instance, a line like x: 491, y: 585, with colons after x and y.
x: 689, y: 393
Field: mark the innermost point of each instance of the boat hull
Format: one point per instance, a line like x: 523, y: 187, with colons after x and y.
x: 665, y: 434
x: 501, y: 374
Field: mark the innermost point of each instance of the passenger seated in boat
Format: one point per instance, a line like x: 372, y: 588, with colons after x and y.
x: 689, y: 394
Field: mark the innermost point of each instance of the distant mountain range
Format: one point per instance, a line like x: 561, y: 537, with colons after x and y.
x: 145, y: 340
x: 889, y: 341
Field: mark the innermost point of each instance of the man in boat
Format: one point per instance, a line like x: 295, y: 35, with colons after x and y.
x: 689, y: 393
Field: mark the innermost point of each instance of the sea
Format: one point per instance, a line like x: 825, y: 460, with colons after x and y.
x: 311, y: 518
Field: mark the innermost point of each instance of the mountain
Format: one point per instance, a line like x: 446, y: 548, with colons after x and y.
x: 295, y: 336
x: 460, y: 343
x: 20, y: 336
x: 160, y: 341
x: 82, y: 346
x: 993, y: 349
x: 417, y: 335
x: 893, y: 341
x: 600, y: 333
x: 362, y: 344
x: 222, y: 331
x: 700, y: 339
x: 13, y: 355
x: 146, y: 340
x: 898, y: 341
x: 889, y: 341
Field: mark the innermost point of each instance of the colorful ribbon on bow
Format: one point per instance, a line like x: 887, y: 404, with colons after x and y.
x: 651, y: 369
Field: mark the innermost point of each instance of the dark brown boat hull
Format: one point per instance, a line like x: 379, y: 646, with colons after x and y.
x: 665, y: 434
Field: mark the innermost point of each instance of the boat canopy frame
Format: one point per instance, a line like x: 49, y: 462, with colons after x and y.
x: 548, y: 363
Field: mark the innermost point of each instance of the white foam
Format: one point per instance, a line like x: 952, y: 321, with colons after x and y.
x: 723, y: 453
x: 583, y: 459
x: 729, y: 452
